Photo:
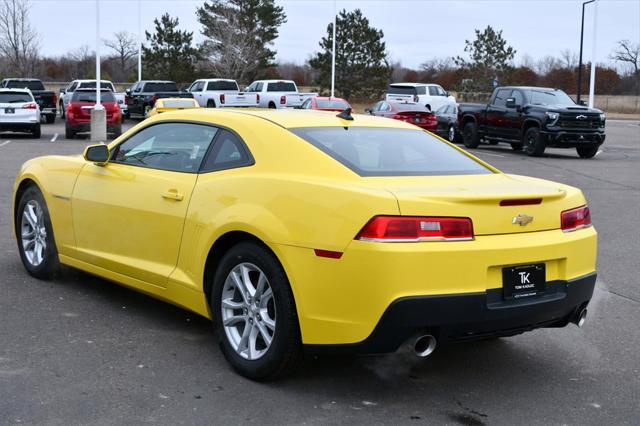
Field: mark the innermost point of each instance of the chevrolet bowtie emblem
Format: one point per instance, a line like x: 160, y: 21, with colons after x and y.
x: 581, y: 117
x: 522, y: 219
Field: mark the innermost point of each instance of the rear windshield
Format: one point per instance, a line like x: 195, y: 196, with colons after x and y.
x: 222, y: 85
x: 15, y: 97
x: 92, y: 85
x: 90, y: 96
x: 31, y: 85
x: 187, y: 103
x: 332, y: 103
x: 161, y: 87
x: 390, y: 152
x: 410, y: 107
x: 402, y: 90
x: 281, y: 86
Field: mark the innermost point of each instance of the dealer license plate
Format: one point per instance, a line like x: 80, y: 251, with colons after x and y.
x: 523, y: 281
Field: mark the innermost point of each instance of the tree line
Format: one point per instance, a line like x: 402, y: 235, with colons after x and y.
x: 238, y: 42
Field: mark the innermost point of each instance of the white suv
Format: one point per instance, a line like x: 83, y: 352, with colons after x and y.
x: 433, y: 96
x: 19, y: 112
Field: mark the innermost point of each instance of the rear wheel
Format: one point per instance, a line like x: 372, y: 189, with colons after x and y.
x: 470, y: 135
x: 69, y: 133
x: 254, y: 313
x: 35, y: 235
x: 36, y: 131
x: 272, y: 105
x: 61, y: 109
x: 587, y: 151
x: 533, y: 145
x: 211, y: 103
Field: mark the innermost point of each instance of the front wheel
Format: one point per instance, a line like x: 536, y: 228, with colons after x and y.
x: 587, y: 151
x: 451, y: 133
x: 35, y: 235
x: 533, y: 144
x: 36, y: 131
x: 254, y: 313
x: 470, y: 135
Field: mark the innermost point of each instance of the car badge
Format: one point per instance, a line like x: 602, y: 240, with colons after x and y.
x: 522, y: 219
x: 581, y: 117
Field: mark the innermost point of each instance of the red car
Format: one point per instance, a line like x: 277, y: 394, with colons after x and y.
x: 78, y: 114
x: 413, y: 113
x: 323, y: 103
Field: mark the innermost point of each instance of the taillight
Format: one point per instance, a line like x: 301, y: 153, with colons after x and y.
x: 126, y: 100
x: 31, y: 105
x: 153, y: 100
x: 258, y: 98
x: 222, y: 98
x: 415, y: 228
x: 283, y: 100
x: 574, y: 219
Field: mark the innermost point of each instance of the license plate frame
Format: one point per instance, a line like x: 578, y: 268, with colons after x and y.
x: 524, y: 281
x: 9, y: 110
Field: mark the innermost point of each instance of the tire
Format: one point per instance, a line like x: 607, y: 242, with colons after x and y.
x: 211, y: 103
x: 127, y: 115
x: 40, y: 258
x: 36, y: 131
x: 51, y: 118
x: 265, y: 361
x: 117, y: 132
x: 272, y: 105
x: 62, y: 109
x: 69, y: 133
x: 587, y: 151
x: 516, y: 146
x: 470, y: 135
x: 533, y: 145
x: 451, y: 134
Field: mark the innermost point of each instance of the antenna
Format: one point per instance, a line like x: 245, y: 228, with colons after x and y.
x: 345, y: 115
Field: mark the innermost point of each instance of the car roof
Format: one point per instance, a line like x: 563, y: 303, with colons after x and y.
x: 156, y: 81
x: 329, y: 98
x: 23, y: 90
x: 215, y: 79
x: 90, y: 80
x: 285, y: 118
x: 279, y: 80
x: 413, y: 84
x: 22, y: 79
x: 528, y: 88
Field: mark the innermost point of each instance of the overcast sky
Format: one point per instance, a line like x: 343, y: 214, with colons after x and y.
x: 414, y: 30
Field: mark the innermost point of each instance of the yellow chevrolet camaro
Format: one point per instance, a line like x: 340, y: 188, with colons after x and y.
x: 172, y: 104
x: 298, y: 230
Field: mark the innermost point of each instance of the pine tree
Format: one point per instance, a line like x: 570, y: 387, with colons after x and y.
x: 362, y: 68
x: 170, y: 53
x: 239, y: 36
x: 489, y: 57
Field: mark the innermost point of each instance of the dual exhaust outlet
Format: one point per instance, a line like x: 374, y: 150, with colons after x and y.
x: 424, y: 345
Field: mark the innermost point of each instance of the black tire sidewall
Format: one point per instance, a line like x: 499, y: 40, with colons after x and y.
x: 286, y: 341
x: 537, y: 148
x: 587, y: 151
x: 470, y: 135
x: 48, y: 267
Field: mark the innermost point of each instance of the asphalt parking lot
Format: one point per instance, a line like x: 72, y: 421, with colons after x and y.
x: 81, y: 350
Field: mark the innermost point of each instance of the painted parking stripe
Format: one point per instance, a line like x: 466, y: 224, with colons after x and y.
x: 493, y: 155
x: 55, y: 136
x: 5, y: 143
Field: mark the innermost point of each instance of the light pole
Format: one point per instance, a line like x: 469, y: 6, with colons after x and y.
x: 139, y: 40
x: 592, y: 79
x: 98, y: 113
x: 333, y: 54
x: 581, y: 40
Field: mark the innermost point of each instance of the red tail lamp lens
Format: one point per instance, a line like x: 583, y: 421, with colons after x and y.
x: 574, y: 219
x: 415, y: 228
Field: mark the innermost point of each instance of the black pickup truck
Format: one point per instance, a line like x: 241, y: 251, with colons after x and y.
x: 532, y: 118
x: 46, y: 99
x: 143, y: 95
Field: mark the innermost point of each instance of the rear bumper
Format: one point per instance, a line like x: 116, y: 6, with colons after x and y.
x: 463, y: 317
x: 26, y: 126
x: 572, y: 139
x: 86, y: 127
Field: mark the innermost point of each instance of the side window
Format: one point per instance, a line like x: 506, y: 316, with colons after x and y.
x: 251, y: 88
x: 259, y: 87
x: 73, y: 86
x: 138, y: 88
x: 385, y: 107
x: 518, y: 97
x: 197, y: 86
x: 433, y: 91
x: 178, y: 147
x: 227, y: 152
x: 421, y: 90
x: 306, y: 104
x: 501, y: 98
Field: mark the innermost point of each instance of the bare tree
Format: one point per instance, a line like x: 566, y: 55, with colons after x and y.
x: 232, y: 51
x: 84, y: 62
x: 569, y: 59
x: 628, y: 53
x: 125, y: 48
x: 19, y: 43
x: 547, y: 64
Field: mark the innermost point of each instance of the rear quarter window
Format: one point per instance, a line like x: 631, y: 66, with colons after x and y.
x: 390, y: 152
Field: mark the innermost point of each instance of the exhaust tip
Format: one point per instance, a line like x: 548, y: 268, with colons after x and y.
x: 424, y: 345
x: 582, y: 317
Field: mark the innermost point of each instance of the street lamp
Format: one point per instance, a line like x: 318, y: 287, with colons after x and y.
x: 581, y: 40
x: 98, y: 113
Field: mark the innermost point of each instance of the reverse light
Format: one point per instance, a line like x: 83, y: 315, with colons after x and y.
x: 415, y: 229
x: 574, y: 219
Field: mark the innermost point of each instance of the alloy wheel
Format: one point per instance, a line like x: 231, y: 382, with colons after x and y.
x: 248, y: 311
x: 451, y: 134
x: 33, y: 233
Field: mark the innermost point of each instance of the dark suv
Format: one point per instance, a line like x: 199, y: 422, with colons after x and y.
x: 533, y: 118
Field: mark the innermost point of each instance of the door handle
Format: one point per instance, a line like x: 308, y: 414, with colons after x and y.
x: 172, y: 194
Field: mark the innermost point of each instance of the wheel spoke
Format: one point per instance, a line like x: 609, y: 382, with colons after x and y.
x: 246, y: 280
x: 270, y: 323
x: 232, y: 304
x: 38, y: 252
x: 262, y: 282
x: 264, y: 333
x: 28, y: 218
x: 29, y: 244
x: 237, y: 281
x: 253, y: 335
x: 235, y: 320
x: 244, y: 340
x: 266, y: 296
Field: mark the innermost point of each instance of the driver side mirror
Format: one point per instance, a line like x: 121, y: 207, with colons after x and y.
x: 98, y: 154
x: 581, y: 102
x: 128, y: 92
x: 63, y: 90
x: 511, y: 102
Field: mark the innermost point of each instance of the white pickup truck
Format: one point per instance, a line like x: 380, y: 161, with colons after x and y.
x: 221, y: 93
x: 278, y: 93
x: 67, y: 93
x: 433, y: 96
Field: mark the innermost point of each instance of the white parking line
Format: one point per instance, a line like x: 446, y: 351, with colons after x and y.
x: 4, y: 143
x: 55, y: 136
x: 493, y: 155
